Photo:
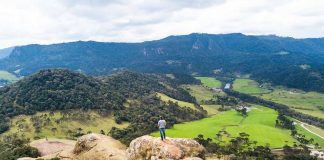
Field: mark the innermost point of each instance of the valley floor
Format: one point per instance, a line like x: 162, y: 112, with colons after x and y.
x: 311, y: 103
x: 259, y: 124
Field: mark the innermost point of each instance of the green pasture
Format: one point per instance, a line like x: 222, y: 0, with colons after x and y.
x: 4, y: 75
x: 304, y: 102
x: 309, y: 135
x: 210, y: 82
x: 260, y: 125
x: 316, y: 130
x: 166, y: 98
x: 248, y: 86
x: 201, y: 93
x: 211, y: 109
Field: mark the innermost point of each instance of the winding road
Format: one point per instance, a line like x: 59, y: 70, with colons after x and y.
x: 302, y: 125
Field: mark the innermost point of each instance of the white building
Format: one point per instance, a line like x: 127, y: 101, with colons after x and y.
x: 227, y: 86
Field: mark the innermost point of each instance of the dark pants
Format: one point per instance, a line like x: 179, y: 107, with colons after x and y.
x: 162, y: 133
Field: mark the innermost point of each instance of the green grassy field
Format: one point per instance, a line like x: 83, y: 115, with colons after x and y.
x: 4, y: 75
x: 309, y: 135
x: 304, y: 102
x: 166, y: 98
x: 316, y: 130
x: 211, y: 109
x: 23, y: 125
x: 260, y: 125
x: 248, y: 86
x: 210, y: 82
x: 200, y: 92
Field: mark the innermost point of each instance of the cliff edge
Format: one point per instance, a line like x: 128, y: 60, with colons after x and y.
x: 101, y: 147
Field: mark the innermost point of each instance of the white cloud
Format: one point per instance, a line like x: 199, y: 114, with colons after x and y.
x: 52, y: 21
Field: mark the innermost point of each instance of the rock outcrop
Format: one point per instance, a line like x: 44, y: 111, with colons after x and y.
x: 150, y: 148
x: 101, y: 147
x: 98, y: 147
x: 87, y: 147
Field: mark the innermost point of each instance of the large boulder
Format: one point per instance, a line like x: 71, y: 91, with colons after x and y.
x: 151, y: 148
x: 97, y: 147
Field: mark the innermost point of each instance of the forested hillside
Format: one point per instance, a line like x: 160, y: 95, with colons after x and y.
x: 127, y: 95
x: 134, y: 85
x: 297, y: 63
x: 56, y: 89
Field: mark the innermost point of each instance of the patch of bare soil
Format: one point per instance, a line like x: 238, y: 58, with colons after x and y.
x: 52, y: 146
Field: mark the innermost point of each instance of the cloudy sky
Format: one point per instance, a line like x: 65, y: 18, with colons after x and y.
x: 52, y: 21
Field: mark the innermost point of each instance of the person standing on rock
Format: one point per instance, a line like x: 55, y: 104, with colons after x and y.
x: 161, y: 125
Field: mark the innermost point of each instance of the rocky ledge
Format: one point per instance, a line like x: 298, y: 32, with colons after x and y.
x: 151, y: 148
x: 100, y: 147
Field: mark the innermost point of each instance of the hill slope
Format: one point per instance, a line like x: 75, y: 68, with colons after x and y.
x: 57, y: 89
x: 127, y: 96
x: 286, y: 61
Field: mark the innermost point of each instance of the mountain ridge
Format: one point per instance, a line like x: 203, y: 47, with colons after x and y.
x: 273, y: 59
x: 268, y: 36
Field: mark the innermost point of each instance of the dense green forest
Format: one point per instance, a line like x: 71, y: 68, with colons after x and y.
x: 56, y: 89
x: 134, y: 85
x: 295, y: 63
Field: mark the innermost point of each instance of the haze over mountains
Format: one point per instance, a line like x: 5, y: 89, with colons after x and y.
x: 5, y: 52
x: 297, y: 63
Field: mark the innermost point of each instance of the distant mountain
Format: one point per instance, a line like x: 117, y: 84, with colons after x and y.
x: 297, y: 63
x: 5, y: 52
